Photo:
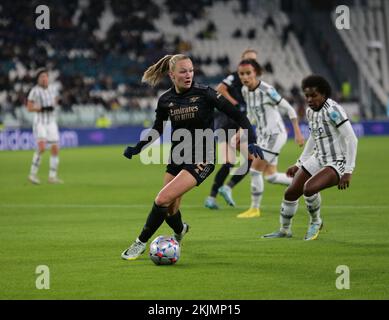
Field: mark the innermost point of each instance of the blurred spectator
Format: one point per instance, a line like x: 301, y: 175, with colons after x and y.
x: 268, y: 67
x: 346, y: 90
x: 237, y: 33
x: 103, y: 121
x: 269, y: 22
x: 251, y: 34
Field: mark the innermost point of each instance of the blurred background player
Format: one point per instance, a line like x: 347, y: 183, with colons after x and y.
x: 328, y: 158
x: 231, y: 89
x: 42, y: 101
x: 199, y: 101
x: 263, y: 107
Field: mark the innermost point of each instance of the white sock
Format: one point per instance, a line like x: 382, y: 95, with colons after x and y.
x: 279, y: 178
x: 54, y: 162
x: 257, y: 187
x: 313, y: 206
x: 36, y: 161
x: 288, y: 210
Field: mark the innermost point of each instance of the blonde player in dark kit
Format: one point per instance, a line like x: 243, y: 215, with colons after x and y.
x: 42, y: 100
x: 328, y: 158
x: 180, y: 177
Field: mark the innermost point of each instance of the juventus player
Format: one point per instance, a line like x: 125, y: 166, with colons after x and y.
x: 263, y: 108
x: 42, y: 100
x: 328, y: 158
x: 231, y: 89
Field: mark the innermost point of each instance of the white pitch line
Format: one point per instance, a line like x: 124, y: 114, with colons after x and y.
x: 129, y: 206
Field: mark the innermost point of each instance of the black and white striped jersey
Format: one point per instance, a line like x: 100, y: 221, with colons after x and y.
x: 43, y: 97
x: 323, y: 127
x: 262, y: 109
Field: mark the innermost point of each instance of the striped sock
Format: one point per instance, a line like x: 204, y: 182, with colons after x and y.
x: 54, y: 162
x: 313, y: 206
x: 257, y: 187
x: 36, y: 161
x: 288, y: 210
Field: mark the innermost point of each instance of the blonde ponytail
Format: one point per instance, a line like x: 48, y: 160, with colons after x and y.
x: 154, y: 74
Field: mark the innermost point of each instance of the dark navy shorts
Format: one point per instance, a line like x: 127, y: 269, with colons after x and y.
x: 199, y: 171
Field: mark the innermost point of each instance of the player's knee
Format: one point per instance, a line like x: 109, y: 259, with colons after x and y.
x: 309, y: 189
x: 291, y: 194
x: 163, y: 200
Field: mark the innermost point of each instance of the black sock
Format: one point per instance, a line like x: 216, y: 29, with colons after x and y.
x: 238, y: 178
x: 153, y: 222
x: 220, y: 177
x: 175, y: 222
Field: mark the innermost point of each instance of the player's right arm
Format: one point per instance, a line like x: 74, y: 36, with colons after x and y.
x: 32, y: 105
x: 154, y: 133
x: 307, y: 152
x: 223, y: 89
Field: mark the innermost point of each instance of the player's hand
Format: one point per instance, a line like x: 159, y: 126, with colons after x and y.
x: 344, y: 181
x: 255, y: 150
x: 291, y: 172
x: 240, y: 107
x: 299, y: 139
x: 130, y: 151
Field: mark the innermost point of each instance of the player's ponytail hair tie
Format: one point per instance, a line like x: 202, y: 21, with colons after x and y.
x: 254, y: 63
x: 154, y: 74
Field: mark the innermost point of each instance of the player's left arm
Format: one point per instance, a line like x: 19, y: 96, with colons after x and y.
x: 223, y: 105
x: 351, y: 144
x: 298, y: 136
x: 232, y: 112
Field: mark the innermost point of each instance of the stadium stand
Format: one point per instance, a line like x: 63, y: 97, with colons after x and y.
x: 367, y: 41
x: 97, y: 52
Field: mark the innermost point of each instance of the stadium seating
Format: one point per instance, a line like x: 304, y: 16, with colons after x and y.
x: 367, y: 41
x: 98, y: 53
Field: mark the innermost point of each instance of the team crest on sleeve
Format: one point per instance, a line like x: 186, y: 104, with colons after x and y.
x: 334, y: 116
x: 274, y: 94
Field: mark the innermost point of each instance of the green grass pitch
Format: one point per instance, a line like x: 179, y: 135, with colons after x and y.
x: 79, y: 230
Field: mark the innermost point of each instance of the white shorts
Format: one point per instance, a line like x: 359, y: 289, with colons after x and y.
x: 48, y: 132
x: 312, y: 166
x: 271, y: 146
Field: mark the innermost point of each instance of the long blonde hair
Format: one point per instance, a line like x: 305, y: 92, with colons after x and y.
x: 155, y: 72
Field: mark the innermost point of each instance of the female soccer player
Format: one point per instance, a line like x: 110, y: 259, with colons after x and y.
x: 263, y: 107
x: 42, y: 100
x: 231, y: 89
x: 328, y: 158
x: 190, y: 107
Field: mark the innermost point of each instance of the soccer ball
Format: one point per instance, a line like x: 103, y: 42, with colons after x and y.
x: 164, y: 250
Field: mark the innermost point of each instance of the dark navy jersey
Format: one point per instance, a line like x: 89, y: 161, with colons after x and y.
x: 234, y: 88
x: 194, y: 109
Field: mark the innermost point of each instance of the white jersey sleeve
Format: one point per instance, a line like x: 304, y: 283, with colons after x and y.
x: 350, y: 143
x: 33, y: 95
x: 229, y: 80
x: 337, y: 115
x: 270, y: 92
x: 284, y: 104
